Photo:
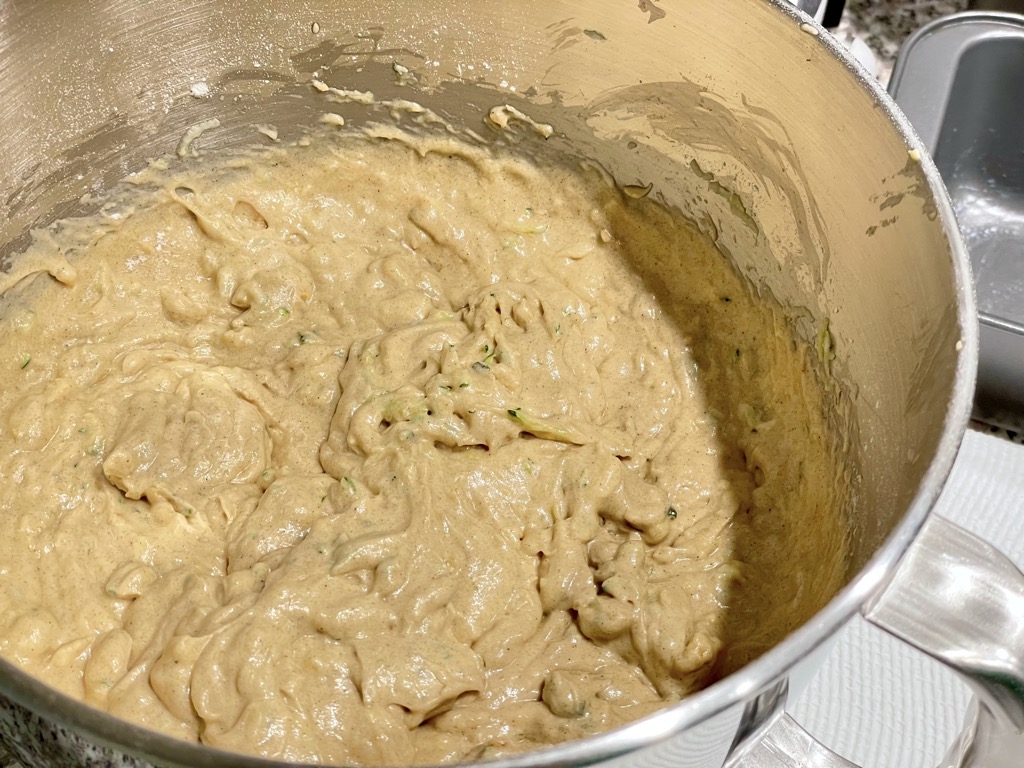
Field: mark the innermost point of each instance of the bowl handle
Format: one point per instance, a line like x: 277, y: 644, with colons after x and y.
x: 961, y: 601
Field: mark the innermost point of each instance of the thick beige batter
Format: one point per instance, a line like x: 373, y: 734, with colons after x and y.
x: 392, y: 450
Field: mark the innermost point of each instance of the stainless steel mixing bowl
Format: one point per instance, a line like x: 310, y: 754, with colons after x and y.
x: 741, y: 113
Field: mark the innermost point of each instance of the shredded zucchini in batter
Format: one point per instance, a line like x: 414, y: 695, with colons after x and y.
x: 399, y: 450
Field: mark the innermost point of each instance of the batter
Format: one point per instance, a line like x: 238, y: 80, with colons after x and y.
x: 389, y: 450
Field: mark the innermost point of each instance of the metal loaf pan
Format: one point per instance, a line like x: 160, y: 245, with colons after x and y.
x: 960, y: 81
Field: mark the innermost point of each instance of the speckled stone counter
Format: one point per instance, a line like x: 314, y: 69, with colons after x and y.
x: 885, y: 24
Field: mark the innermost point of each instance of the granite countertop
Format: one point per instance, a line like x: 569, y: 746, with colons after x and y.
x: 885, y: 24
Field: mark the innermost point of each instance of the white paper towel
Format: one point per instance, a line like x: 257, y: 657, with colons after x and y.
x: 875, y: 701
